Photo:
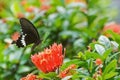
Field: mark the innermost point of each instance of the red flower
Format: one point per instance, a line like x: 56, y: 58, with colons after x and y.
x: 19, y: 15
x: 30, y: 77
x: 50, y: 59
x: 98, y: 61
x: 30, y: 9
x: 112, y: 26
x: 70, y: 1
x: 44, y: 1
x: 4, y: 20
x: 15, y: 36
x: 23, y: 2
x: 67, y: 72
x: 45, y: 7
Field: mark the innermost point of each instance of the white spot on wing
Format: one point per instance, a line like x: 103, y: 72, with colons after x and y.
x: 23, y: 40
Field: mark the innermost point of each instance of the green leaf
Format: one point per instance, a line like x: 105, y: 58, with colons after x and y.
x: 48, y: 76
x: 2, y: 46
x: 99, y: 78
x: 117, y: 77
x: 114, y: 45
x: 67, y: 77
x: 106, y: 53
x: 110, y: 75
x: 115, y: 36
x: 110, y: 68
x: 81, y: 56
x: 91, y: 3
x: 75, y: 61
x: 15, y: 8
x: 104, y: 41
x: 100, y: 49
x: 92, y: 45
x: 112, y: 56
x: 80, y: 76
x: 90, y: 65
x: 93, y: 55
x: 77, y: 76
x: 91, y: 18
x: 23, y: 69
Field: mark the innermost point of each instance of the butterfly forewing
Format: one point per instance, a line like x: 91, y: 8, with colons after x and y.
x: 29, y: 29
x: 29, y: 34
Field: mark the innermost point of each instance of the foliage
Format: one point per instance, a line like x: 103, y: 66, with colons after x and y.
x: 77, y: 24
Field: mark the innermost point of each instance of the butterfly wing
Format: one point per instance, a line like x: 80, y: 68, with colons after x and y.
x: 29, y: 34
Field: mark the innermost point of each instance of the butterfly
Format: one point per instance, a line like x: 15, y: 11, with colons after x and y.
x: 28, y: 35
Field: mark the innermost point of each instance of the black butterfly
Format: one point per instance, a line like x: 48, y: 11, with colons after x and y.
x: 29, y: 34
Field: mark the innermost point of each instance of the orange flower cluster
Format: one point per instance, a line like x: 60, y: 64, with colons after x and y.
x: 50, y: 59
x: 30, y: 9
x: 19, y: 15
x: 67, y: 72
x: 45, y: 7
x: 70, y: 1
x: 112, y: 26
x: 45, y: 4
x: 23, y: 2
x: 30, y: 77
x: 15, y: 36
x: 98, y: 61
x: 97, y: 74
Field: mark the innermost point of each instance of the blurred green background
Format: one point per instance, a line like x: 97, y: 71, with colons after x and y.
x: 74, y: 23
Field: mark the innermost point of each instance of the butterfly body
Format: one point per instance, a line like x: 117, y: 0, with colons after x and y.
x: 29, y: 34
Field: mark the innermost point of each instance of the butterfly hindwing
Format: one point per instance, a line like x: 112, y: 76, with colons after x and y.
x: 29, y: 34
x: 19, y: 42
